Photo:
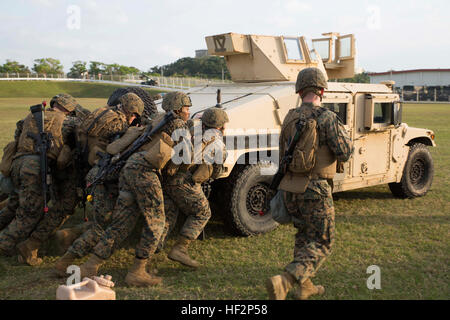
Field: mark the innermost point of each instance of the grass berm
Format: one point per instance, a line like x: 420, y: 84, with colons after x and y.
x: 407, y: 238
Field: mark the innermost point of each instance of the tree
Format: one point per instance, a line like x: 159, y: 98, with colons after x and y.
x: 48, y: 66
x: 96, y: 67
x: 13, y: 67
x: 77, y: 70
x: 156, y: 70
x: 127, y: 70
x: 208, y: 67
x: 362, y: 77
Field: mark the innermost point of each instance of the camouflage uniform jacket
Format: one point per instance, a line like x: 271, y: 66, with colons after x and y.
x: 332, y: 134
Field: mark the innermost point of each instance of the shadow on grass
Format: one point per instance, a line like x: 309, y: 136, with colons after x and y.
x: 394, y: 220
x: 363, y: 195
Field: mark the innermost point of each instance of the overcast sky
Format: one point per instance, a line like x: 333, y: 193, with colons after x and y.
x: 389, y: 34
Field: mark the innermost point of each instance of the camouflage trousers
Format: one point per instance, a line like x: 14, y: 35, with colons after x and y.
x: 104, y: 200
x: 140, y: 194
x: 8, y: 213
x: 28, y: 200
x: 313, y: 215
x: 190, y: 200
x: 66, y: 199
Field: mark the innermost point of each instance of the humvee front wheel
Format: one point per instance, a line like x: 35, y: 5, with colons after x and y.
x: 248, y: 193
x: 417, y: 174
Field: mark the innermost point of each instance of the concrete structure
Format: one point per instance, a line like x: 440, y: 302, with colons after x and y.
x: 417, y: 77
x: 201, y: 53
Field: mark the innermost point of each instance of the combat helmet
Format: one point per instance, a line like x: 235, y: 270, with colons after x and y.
x: 64, y: 100
x: 215, y: 117
x: 310, y: 78
x: 175, y: 101
x: 131, y: 103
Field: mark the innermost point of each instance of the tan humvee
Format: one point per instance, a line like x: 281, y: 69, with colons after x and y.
x: 264, y: 70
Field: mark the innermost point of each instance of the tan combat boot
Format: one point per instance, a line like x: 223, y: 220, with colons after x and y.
x: 138, y: 277
x: 179, y: 253
x: 61, y: 265
x: 308, y: 289
x: 65, y: 237
x: 90, y: 267
x: 28, y: 252
x: 279, y: 286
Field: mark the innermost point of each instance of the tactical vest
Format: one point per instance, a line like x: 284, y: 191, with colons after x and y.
x: 53, y: 122
x: 98, y: 129
x: 325, y: 160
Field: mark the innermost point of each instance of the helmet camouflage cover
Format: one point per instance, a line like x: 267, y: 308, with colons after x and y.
x: 310, y: 78
x: 131, y: 103
x: 215, y: 117
x: 175, y: 101
x: 65, y: 100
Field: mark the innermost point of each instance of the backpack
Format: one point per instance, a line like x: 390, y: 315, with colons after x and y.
x: 91, y: 133
x: 8, y: 154
x: 53, y: 122
x: 305, y: 151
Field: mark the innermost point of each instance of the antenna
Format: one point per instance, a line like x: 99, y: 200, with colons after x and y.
x: 219, y: 99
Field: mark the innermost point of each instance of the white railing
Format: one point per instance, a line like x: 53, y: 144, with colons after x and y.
x: 182, y: 83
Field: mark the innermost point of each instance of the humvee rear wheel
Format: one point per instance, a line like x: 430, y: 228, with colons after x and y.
x: 249, y: 193
x: 417, y: 174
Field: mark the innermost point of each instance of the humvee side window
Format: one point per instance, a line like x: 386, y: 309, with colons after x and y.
x: 382, y: 112
x: 346, y: 47
x: 323, y: 48
x: 340, y: 109
x: 293, y: 50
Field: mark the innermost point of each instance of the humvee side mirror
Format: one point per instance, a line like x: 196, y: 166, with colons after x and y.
x: 368, y: 112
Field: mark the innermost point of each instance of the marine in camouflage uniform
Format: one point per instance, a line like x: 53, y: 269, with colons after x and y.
x: 312, y: 208
x: 64, y: 184
x: 8, y: 213
x: 140, y: 194
x: 25, y: 175
x: 77, y: 114
x: 116, y: 121
x: 183, y: 191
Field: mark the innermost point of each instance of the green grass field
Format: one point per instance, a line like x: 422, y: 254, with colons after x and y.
x: 408, y: 239
x: 47, y: 89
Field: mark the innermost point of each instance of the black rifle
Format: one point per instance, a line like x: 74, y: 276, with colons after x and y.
x: 42, y: 142
x: 287, y: 158
x: 109, y: 164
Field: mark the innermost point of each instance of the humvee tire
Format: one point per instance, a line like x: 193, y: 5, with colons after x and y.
x: 417, y: 174
x: 245, y: 196
x: 149, y: 105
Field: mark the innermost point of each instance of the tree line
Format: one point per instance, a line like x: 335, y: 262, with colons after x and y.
x: 211, y: 67
x: 207, y: 67
x: 78, y: 69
